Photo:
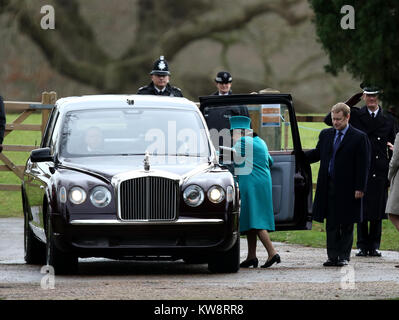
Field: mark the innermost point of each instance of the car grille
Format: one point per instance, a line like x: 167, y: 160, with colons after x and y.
x: 149, y: 199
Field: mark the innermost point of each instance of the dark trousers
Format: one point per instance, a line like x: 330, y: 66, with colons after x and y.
x: 339, y: 236
x: 369, y: 238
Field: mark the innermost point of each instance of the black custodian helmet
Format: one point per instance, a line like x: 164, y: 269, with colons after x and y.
x: 160, y: 67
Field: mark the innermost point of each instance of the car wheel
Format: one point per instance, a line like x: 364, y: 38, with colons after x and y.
x: 62, y: 262
x: 34, y: 250
x: 227, y: 262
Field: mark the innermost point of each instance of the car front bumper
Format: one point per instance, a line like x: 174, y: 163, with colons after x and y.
x: 113, y: 238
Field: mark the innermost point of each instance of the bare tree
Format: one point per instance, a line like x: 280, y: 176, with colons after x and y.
x: 164, y: 27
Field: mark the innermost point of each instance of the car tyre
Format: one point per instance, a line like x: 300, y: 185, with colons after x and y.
x: 227, y: 262
x: 34, y: 249
x: 62, y: 262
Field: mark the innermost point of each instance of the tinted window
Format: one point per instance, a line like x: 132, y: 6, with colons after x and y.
x: 50, y: 128
x: 133, y: 131
x: 270, y: 121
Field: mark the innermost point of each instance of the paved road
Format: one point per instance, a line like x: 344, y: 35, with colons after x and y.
x: 299, y: 276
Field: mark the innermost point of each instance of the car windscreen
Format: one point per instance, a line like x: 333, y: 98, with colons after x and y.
x: 99, y: 132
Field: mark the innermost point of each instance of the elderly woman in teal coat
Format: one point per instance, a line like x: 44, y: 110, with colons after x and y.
x: 252, y: 167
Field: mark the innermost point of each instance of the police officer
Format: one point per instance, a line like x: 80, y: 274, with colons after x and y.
x: 160, y: 77
x: 223, y: 82
x: 2, y: 123
x: 380, y: 129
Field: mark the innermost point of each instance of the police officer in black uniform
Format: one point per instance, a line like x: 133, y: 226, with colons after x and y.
x: 160, y: 77
x: 223, y: 82
x: 2, y: 122
x: 380, y: 129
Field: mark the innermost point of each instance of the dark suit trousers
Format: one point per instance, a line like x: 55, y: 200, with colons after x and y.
x: 369, y: 238
x: 339, y: 236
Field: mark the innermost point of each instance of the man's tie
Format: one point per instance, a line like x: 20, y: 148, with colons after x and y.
x: 335, y: 147
x: 372, y: 115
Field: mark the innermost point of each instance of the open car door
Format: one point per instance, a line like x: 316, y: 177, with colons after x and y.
x: 273, y: 119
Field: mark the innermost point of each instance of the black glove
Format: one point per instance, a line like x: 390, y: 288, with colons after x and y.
x: 1, y: 148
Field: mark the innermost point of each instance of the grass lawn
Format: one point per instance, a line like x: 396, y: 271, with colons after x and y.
x: 10, y: 202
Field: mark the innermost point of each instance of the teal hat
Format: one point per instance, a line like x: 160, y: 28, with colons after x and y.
x: 240, y: 122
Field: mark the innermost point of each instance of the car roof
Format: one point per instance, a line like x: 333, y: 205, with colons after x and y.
x: 123, y: 101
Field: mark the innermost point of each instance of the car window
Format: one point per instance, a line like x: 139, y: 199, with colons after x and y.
x: 133, y: 131
x: 50, y: 128
x: 270, y: 121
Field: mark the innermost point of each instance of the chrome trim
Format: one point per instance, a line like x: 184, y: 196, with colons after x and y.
x: 39, y: 232
x: 113, y: 222
x: 148, y: 198
x: 120, y: 177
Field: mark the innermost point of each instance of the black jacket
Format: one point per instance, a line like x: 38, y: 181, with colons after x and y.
x: 379, y: 131
x: 169, y: 91
x: 350, y: 175
x: 2, y: 120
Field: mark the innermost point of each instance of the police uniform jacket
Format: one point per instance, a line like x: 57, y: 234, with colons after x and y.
x: 2, y: 120
x: 379, y: 130
x: 169, y: 91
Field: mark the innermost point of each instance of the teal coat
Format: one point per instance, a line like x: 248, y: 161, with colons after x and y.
x: 255, y: 183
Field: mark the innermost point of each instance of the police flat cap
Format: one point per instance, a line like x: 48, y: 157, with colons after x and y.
x: 370, y: 89
x: 223, y: 77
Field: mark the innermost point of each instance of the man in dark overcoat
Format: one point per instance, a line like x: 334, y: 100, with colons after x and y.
x: 380, y: 129
x: 2, y: 122
x: 160, y: 77
x: 343, y: 152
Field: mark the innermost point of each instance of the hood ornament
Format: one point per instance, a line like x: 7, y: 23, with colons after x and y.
x: 147, y: 161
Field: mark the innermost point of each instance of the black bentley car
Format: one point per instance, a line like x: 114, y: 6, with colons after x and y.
x: 138, y: 177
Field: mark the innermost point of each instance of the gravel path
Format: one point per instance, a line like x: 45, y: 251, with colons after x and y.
x: 300, y: 275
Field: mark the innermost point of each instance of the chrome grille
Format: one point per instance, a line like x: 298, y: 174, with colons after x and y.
x: 148, y: 199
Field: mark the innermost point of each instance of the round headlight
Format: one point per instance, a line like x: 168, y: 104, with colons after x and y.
x: 193, y: 195
x: 100, y: 197
x: 77, y: 195
x: 216, y: 194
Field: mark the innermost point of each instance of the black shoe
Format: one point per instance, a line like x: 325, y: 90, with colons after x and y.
x: 330, y: 263
x: 342, y: 263
x: 247, y: 263
x: 274, y: 259
x: 374, y: 253
x: 361, y: 253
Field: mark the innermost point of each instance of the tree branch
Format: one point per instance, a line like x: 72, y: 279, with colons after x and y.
x: 177, y: 38
x: 86, y: 72
x: 81, y: 71
x: 79, y: 35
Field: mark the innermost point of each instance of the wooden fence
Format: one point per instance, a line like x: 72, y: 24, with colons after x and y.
x: 48, y: 100
x: 24, y: 109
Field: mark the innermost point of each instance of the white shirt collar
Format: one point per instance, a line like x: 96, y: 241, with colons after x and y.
x: 159, y: 90
x: 375, y: 112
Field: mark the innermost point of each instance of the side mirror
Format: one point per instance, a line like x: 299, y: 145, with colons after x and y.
x: 41, y: 155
